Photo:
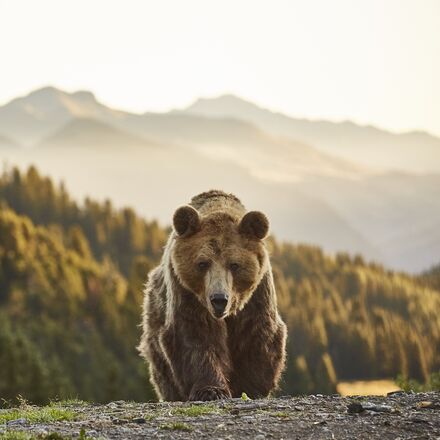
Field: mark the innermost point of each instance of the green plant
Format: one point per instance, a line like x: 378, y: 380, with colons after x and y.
x: 280, y: 414
x: 37, y: 415
x: 195, y: 410
x: 407, y: 384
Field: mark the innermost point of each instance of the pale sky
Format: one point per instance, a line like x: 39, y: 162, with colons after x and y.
x: 371, y: 61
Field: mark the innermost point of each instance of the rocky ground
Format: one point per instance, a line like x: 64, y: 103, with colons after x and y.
x: 397, y: 416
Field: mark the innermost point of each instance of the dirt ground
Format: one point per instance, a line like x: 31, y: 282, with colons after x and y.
x: 396, y: 416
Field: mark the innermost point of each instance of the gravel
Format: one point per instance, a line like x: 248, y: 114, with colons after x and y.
x: 396, y: 416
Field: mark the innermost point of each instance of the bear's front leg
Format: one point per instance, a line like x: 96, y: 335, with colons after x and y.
x: 257, y: 342
x: 199, y: 359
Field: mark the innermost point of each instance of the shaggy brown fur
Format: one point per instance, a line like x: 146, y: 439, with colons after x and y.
x: 211, y: 328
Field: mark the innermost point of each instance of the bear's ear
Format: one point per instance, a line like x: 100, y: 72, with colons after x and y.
x: 186, y: 221
x: 254, y: 224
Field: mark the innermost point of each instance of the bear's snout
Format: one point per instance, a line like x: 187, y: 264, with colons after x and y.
x: 219, y: 301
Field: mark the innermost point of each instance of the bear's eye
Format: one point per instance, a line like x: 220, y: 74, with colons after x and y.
x: 233, y: 267
x: 203, y: 265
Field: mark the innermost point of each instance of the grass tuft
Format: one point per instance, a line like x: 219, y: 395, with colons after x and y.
x: 22, y: 435
x: 194, y: 410
x: 68, y: 402
x: 16, y: 435
x: 281, y: 414
x: 45, y: 414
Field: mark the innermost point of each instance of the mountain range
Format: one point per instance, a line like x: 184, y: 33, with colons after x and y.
x: 338, y: 185
x: 367, y: 145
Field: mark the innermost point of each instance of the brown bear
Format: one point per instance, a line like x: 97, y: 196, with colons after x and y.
x: 211, y: 327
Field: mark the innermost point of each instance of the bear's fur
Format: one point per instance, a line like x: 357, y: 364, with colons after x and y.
x: 215, y: 251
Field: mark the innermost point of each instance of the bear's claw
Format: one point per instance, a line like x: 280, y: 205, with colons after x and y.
x: 210, y: 393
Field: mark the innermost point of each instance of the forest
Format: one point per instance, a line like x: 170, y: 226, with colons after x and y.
x: 71, y: 280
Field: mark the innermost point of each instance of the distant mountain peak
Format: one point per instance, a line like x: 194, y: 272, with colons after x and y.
x: 226, y: 97
x: 40, y: 96
x: 225, y: 102
x: 46, y: 90
x: 85, y: 95
x: 31, y: 118
x: 52, y: 93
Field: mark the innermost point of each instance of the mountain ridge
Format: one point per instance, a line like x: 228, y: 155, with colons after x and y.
x: 421, y: 150
x: 235, y: 99
x: 89, y: 132
x: 68, y: 102
x: 310, y: 193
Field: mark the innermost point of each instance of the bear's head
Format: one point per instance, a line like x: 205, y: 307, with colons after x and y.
x: 219, y: 258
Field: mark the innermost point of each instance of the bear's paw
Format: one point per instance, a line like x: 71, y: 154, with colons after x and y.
x: 209, y: 393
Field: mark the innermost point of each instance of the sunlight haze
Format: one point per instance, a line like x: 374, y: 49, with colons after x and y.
x: 373, y: 62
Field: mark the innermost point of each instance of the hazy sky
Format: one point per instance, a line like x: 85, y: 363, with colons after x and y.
x: 373, y: 61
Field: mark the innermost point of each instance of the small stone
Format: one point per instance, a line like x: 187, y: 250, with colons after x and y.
x: 377, y: 408
x: 139, y: 420
x: 355, y: 408
x: 248, y: 417
x: 427, y: 404
x: 395, y: 393
x: 20, y: 421
x: 252, y: 406
x: 260, y: 437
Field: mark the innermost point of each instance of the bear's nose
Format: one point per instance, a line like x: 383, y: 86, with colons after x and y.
x: 219, y: 301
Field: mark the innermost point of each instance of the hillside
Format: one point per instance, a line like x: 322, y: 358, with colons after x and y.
x: 397, y: 213
x: 65, y: 318
x: 91, y: 133
x: 71, y: 279
x: 431, y: 277
x: 156, y: 179
x: 266, y: 156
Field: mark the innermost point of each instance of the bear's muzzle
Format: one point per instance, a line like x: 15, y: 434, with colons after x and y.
x: 219, y: 301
